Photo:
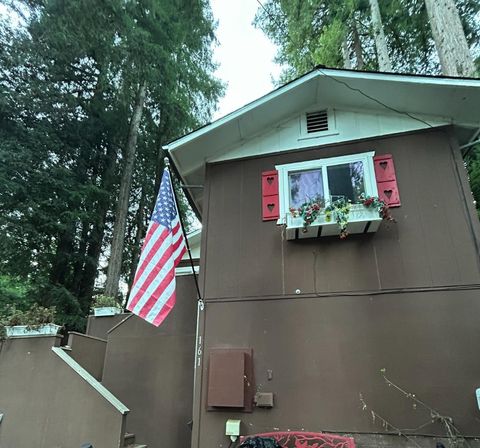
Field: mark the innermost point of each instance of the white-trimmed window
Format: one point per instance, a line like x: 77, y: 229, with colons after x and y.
x: 326, y: 180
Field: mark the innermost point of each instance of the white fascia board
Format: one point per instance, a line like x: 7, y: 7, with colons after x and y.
x: 393, y: 77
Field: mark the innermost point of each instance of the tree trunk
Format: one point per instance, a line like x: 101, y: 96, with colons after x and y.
x: 95, y: 239
x: 384, y: 63
x: 357, y: 46
x: 81, y: 254
x: 452, y: 47
x: 347, y: 63
x: 140, y: 232
x: 116, y: 249
x: 63, y: 255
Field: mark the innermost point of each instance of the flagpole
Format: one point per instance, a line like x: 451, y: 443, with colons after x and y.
x: 167, y: 165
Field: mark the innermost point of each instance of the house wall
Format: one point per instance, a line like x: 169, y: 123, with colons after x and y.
x: 150, y: 369
x: 405, y: 299
x: 47, y: 404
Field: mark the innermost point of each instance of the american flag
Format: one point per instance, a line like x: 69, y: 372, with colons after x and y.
x: 153, y: 291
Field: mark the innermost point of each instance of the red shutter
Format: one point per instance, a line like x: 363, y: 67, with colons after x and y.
x: 270, y: 204
x: 386, y: 180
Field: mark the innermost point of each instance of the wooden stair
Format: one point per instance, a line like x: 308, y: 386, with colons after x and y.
x: 129, y: 441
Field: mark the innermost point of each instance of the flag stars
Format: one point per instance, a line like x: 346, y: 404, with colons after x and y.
x: 165, y: 210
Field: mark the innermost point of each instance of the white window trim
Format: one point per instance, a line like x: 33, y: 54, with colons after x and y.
x: 283, y: 170
x: 332, y: 124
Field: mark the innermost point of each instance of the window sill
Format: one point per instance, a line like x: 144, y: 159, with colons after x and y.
x: 361, y: 220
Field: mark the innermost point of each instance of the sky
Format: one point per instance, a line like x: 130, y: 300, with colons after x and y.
x: 244, y: 54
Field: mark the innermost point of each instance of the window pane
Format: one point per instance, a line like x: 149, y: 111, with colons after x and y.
x: 346, y: 180
x: 305, y: 186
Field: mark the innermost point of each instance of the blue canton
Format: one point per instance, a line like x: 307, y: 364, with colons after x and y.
x: 165, y: 211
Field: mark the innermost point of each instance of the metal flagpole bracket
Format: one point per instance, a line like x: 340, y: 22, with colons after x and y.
x: 166, y: 161
x: 201, y: 304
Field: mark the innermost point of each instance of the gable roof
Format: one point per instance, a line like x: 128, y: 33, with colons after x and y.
x: 428, y: 101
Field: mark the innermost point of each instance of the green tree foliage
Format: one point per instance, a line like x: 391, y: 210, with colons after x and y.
x: 309, y: 33
x: 13, y: 290
x: 68, y: 78
x: 473, y: 166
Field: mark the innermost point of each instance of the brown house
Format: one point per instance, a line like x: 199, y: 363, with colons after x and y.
x: 298, y: 324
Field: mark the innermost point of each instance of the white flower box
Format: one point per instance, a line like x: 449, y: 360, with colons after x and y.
x: 360, y: 220
x: 40, y: 330
x: 106, y: 311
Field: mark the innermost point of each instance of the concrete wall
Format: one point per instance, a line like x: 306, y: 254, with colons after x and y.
x: 89, y: 352
x: 47, y: 404
x: 406, y: 299
x: 151, y: 370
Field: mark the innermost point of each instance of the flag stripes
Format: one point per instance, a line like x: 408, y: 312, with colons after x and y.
x: 153, y: 291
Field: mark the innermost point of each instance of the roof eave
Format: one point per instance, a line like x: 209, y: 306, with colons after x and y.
x: 327, y: 72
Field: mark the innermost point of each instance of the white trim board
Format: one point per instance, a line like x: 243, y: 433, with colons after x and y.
x: 101, y: 389
x: 186, y: 270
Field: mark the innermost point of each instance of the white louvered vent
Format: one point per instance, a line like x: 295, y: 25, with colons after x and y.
x: 317, y: 121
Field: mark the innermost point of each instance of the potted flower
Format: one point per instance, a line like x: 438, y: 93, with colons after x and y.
x: 309, y: 211
x: 105, y: 306
x: 376, y: 203
x: 36, y: 321
x: 340, y: 209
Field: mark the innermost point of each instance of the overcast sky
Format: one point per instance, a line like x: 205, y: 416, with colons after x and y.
x: 244, y: 53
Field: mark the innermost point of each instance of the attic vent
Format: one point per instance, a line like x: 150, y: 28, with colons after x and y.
x: 317, y: 121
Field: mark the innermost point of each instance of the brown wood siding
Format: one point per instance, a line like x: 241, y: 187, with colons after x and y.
x: 430, y: 245
x: 405, y: 298
x: 324, y: 352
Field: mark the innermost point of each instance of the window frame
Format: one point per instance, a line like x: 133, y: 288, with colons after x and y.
x: 283, y: 171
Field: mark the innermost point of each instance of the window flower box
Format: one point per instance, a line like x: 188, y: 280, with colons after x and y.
x: 35, y: 321
x: 105, y: 306
x: 31, y: 330
x: 106, y: 311
x: 361, y: 220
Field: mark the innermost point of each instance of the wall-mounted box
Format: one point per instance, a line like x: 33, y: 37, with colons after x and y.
x: 264, y: 399
x: 230, y: 379
x: 232, y: 428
